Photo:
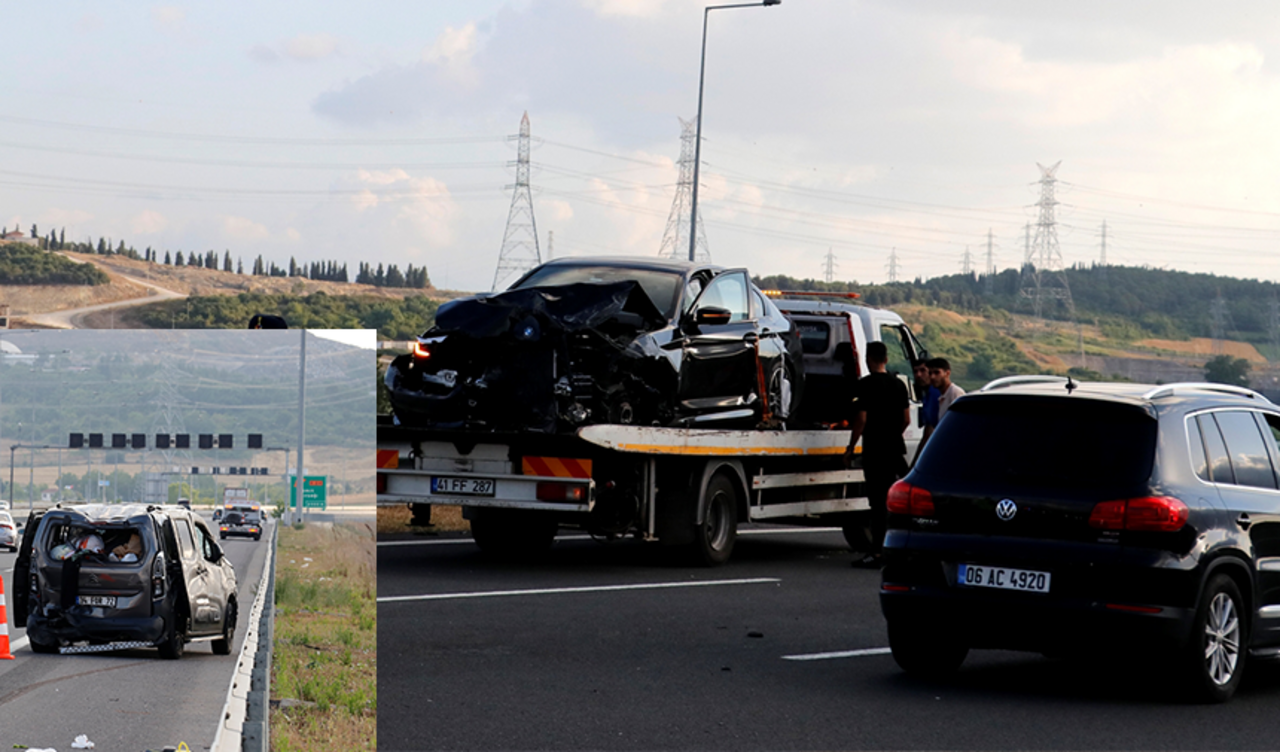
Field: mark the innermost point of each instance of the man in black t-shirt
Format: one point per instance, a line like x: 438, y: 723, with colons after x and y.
x: 882, y: 413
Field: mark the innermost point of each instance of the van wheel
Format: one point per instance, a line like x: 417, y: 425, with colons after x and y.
x: 222, y: 646
x: 1214, y: 658
x: 42, y: 647
x: 713, y: 539
x: 925, y: 653
x: 171, y: 648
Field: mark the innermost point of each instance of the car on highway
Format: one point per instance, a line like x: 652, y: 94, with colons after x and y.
x: 106, y: 576
x: 1065, y: 517
x: 8, y: 532
x: 604, y: 340
x: 240, y: 524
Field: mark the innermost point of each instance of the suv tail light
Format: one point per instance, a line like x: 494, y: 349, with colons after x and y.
x: 905, y: 498
x: 1161, y: 514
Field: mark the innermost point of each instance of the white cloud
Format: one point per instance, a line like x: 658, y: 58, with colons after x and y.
x: 292, y: 234
x: 421, y: 207
x: 242, y: 228
x: 560, y: 211
x: 312, y: 46
x: 632, y: 8
x: 148, y: 222
x: 168, y: 16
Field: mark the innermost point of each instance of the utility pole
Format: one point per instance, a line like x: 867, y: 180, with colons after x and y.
x: 1102, y: 260
x: 675, y: 236
x: 991, y: 264
x: 1048, y: 276
x: 829, y: 267
x: 519, y: 251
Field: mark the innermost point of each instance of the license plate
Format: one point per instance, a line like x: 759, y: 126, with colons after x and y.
x: 1003, y: 578
x: 445, y: 486
x: 96, y: 600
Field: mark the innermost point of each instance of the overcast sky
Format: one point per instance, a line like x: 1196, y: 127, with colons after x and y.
x: 378, y: 131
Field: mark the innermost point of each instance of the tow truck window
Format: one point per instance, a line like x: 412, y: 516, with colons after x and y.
x: 815, y: 336
x: 895, y: 341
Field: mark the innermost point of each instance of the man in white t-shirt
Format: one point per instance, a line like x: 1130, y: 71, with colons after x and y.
x: 940, y: 377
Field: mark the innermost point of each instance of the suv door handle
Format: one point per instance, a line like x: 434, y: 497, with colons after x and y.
x: 1243, y: 521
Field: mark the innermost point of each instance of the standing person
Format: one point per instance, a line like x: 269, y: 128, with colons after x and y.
x: 883, y: 412
x: 928, y: 403
x: 940, y: 375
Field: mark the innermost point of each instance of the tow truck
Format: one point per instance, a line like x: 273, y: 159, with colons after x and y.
x: 679, y: 487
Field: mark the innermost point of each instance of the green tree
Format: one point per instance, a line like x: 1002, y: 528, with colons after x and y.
x: 1225, y: 369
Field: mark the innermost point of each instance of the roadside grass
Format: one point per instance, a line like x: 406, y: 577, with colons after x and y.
x: 443, y: 518
x: 326, y: 639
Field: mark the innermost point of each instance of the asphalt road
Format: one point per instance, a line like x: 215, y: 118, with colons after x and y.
x: 784, y: 648
x: 128, y: 700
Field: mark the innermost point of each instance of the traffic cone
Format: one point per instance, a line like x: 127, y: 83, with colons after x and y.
x: 4, y: 626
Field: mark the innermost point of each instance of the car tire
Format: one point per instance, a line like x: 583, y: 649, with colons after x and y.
x: 222, y: 645
x: 174, y: 641
x: 782, y: 383
x: 1214, y: 658
x: 42, y: 647
x: 513, y: 534
x: 713, y: 538
x: 927, y: 653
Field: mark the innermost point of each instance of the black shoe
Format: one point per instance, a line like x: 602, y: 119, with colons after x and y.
x: 870, y: 561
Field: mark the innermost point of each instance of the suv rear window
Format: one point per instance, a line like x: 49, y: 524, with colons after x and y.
x: 1074, y: 444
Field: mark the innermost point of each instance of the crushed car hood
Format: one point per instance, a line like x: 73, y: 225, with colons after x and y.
x: 569, y: 307
x: 535, y: 358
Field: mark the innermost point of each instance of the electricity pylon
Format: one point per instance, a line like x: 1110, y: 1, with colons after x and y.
x: 519, y: 251
x: 675, y: 237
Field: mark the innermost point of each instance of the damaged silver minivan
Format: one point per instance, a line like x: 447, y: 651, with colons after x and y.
x: 104, y: 576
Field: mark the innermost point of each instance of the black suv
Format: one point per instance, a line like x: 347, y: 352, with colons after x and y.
x: 106, y: 576
x: 1055, y: 516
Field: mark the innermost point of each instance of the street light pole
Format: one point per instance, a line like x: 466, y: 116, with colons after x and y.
x: 697, y: 141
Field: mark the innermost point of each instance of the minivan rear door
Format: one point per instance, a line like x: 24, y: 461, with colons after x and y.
x: 22, y: 571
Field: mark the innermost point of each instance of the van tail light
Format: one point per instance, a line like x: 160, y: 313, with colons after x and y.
x: 1158, y: 514
x: 157, y: 577
x: 907, y: 499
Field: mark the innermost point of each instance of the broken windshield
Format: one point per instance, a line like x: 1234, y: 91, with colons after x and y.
x: 660, y: 286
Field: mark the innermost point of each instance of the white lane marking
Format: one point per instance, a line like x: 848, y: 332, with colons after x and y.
x: 839, y: 654
x: 592, y: 589
x: 444, y: 541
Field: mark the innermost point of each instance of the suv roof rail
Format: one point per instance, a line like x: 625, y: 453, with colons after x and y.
x: 1005, y: 381
x: 1168, y: 390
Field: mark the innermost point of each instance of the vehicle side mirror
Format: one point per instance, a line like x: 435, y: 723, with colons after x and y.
x: 217, y: 553
x: 712, y: 316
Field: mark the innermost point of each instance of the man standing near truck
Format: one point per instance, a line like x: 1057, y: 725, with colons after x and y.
x: 882, y: 412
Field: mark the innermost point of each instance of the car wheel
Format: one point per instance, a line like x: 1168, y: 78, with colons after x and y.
x: 513, y: 534
x: 713, y: 539
x: 781, y: 391
x: 172, y: 646
x: 1215, y: 655
x: 222, y: 646
x: 923, y: 652
x: 42, y: 647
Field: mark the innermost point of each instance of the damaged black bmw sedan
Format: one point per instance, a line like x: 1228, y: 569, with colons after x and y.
x: 619, y: 340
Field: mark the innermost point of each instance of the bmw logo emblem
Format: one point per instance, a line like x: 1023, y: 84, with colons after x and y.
x: 1006, y: 509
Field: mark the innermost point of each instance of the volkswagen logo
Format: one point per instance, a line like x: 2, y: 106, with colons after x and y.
x: 1006, y: 509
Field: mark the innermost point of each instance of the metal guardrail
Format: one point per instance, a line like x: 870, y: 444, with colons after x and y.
x: 244, y: 724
